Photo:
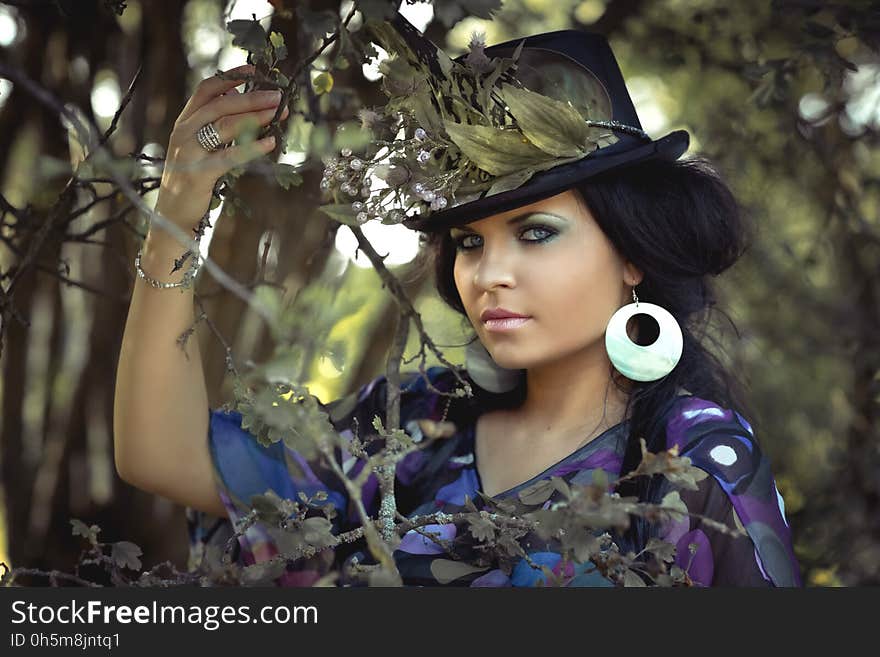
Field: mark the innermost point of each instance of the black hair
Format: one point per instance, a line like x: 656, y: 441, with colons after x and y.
x: 679, y: 223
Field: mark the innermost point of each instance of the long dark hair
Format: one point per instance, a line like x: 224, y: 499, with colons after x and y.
x: 679, y: 223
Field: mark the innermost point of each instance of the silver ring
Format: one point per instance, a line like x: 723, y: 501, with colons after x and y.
x: 209, y: 138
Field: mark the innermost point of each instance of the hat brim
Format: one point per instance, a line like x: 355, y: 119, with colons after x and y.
x: 551, y: 182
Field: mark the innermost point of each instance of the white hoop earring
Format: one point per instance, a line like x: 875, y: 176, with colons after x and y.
x: 485, y: 372
x: 650, y: 362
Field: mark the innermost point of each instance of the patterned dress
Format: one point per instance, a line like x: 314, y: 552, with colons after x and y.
x: 740, y: 492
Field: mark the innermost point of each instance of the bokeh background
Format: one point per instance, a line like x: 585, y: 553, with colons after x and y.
x: 784, y: 97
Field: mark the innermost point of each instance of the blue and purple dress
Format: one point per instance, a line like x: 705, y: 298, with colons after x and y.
x: 739, y: 492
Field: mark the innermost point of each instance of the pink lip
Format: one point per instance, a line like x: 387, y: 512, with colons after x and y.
x: 498, y: 313
x: 505, y: 323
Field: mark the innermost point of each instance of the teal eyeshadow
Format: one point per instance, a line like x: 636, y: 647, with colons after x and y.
x: 552, y: 221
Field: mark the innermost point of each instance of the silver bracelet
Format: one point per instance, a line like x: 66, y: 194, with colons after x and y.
x: 184, y: 283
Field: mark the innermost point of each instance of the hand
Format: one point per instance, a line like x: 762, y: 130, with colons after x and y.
x: 190, y: 170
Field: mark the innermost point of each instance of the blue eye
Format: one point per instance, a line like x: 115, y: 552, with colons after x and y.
x: 549, y: 232
x: 460, y: 241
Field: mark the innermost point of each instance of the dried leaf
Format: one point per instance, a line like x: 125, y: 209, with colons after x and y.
x: 317, y: 532
x: 286, y: 175
x: 663, y: 550
x: 677, y: 469
x: 631, y: 578
x: 81, y: 529
x: 277, y: 41
x: 517, y: 179
x: 584, y: 545
x: 562, y: 486
x: 503, y: 65
x: 510, y: 181
x: 126, y: 555
x: 341, y: 212
x: 673, y: 503
x: 262, y: 573
x: 553, y: 126
x: 399, y: 77
x: 549, y: 522
x: 498, y: 152
x: 537, y: 493
x: 481, y: 528
x: 424, y: 111
x: 269, y: 507
x: 445, y: 63
x: 247, y: 34
x: 446, y: 571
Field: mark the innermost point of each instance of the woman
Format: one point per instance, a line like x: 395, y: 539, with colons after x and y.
x: 566, y: 389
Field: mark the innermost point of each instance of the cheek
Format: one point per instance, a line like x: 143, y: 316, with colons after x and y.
x: 460, y: 276
x: 579, y: 282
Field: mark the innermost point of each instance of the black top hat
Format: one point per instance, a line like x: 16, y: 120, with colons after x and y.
x: 573, y: 66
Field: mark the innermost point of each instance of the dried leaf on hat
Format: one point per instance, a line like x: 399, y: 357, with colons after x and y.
x: 551, y: 125
x: 495, y: 150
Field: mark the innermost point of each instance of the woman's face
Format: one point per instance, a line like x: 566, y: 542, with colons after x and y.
x: 549, y: 261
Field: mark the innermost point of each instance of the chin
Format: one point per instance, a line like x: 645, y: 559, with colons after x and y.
x: 514, y: 365
x: 508, y: 363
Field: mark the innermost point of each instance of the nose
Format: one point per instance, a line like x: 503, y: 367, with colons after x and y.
x: 494, y: 269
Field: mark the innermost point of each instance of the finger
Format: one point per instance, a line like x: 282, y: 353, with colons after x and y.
x: 239, y: 125
x: 213, y: 86
x: 234, y: 104
x: 234, y: 156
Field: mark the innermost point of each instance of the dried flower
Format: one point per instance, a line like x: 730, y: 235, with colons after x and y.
x: 369, y: 118
x: 477, y: 41
x: 476, y: 59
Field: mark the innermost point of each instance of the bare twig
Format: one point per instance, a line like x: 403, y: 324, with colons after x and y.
x: 125, y: 101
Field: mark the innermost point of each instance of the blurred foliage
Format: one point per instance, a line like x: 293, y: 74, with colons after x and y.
x: 782, y: 95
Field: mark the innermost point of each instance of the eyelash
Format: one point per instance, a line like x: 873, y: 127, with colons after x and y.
x: 459, y: 241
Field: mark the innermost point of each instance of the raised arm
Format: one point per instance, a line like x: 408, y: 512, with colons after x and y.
x: 160, y: 412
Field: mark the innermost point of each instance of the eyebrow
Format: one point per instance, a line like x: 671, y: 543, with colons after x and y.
x: 518, y: 219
